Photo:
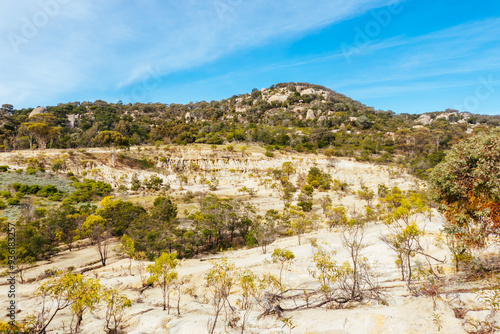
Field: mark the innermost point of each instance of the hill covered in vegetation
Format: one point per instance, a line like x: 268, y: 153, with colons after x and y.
x: 287, y: 116
x: 278, y: 179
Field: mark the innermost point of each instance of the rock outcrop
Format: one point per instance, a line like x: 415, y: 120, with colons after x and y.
x: 38, y: 111
x: 310, y: 114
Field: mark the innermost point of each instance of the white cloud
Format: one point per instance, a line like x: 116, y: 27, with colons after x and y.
x: 101, y: 46
x: 432, y: 60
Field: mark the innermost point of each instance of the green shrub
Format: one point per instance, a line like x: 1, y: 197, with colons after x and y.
x: 47, y: 190
x: 4, y: 168
x: 40, y: 191
x: 57, y: 165
x: 13, y: 201
x: 88, y: 190
x: 41, y: 212
x: 23, y: 188
x: 30, y: 170
x: 32, y: 189
x: 135, y: 183
x: 2, y: 205
x: 5, y: 194
x: 305, y: 205
x: 56, y: 197
x: 215, y: 139
x: 154, y: 182
x: 251, y: 240
x: 317, y: 179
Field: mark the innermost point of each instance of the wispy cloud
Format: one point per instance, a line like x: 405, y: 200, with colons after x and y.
x: 80, y: 47
x: 429, y: 61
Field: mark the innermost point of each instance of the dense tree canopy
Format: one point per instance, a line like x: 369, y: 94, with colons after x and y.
x: 467, y: 184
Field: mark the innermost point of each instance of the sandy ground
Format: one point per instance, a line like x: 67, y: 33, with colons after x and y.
x: 403, y: 313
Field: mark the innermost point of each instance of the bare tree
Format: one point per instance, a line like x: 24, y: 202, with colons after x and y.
x: 358, y: 281
x: 405, y: 239
x: 247, y: 281
x: 97, y: 229
x: 220, y: 280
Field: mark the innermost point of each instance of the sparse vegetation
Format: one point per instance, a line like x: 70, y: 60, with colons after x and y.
x: 163, y: 273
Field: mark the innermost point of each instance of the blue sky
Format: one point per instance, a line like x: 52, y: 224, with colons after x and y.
x: 409, y: 56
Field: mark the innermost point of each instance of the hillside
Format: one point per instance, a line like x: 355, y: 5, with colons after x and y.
x: 292, y: 209
x: 250, y: 185
x: 297, y: 117
x: 234, y: 170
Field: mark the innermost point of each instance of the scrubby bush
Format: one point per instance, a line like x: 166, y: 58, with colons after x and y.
x: 57, y: 165
x: 46, y: 191
x: 466, y: 185
x: 135, y: 183
x: 306, y: 206
x: 49, y: 191
x: 215, y: 139
x: 88, y: 190
x: 40, y: 212
x: 56, y: 197
x: 154, y: 182
x: 13, y: 201
x: 5, y: 194
x: 319, y: 180
x: 30, y: 170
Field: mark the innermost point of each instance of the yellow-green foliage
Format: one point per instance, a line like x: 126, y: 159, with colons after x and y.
x: 163, y: 274
x: 80, y: 293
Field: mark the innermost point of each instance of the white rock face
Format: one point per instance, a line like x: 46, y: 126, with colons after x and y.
x: 37, y: 111
x: 310, y: 114
x: 278, y: 98
x: 312, y: 91
x: 71, y: 120
x: 445, y: 116
x: 424, y: 119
